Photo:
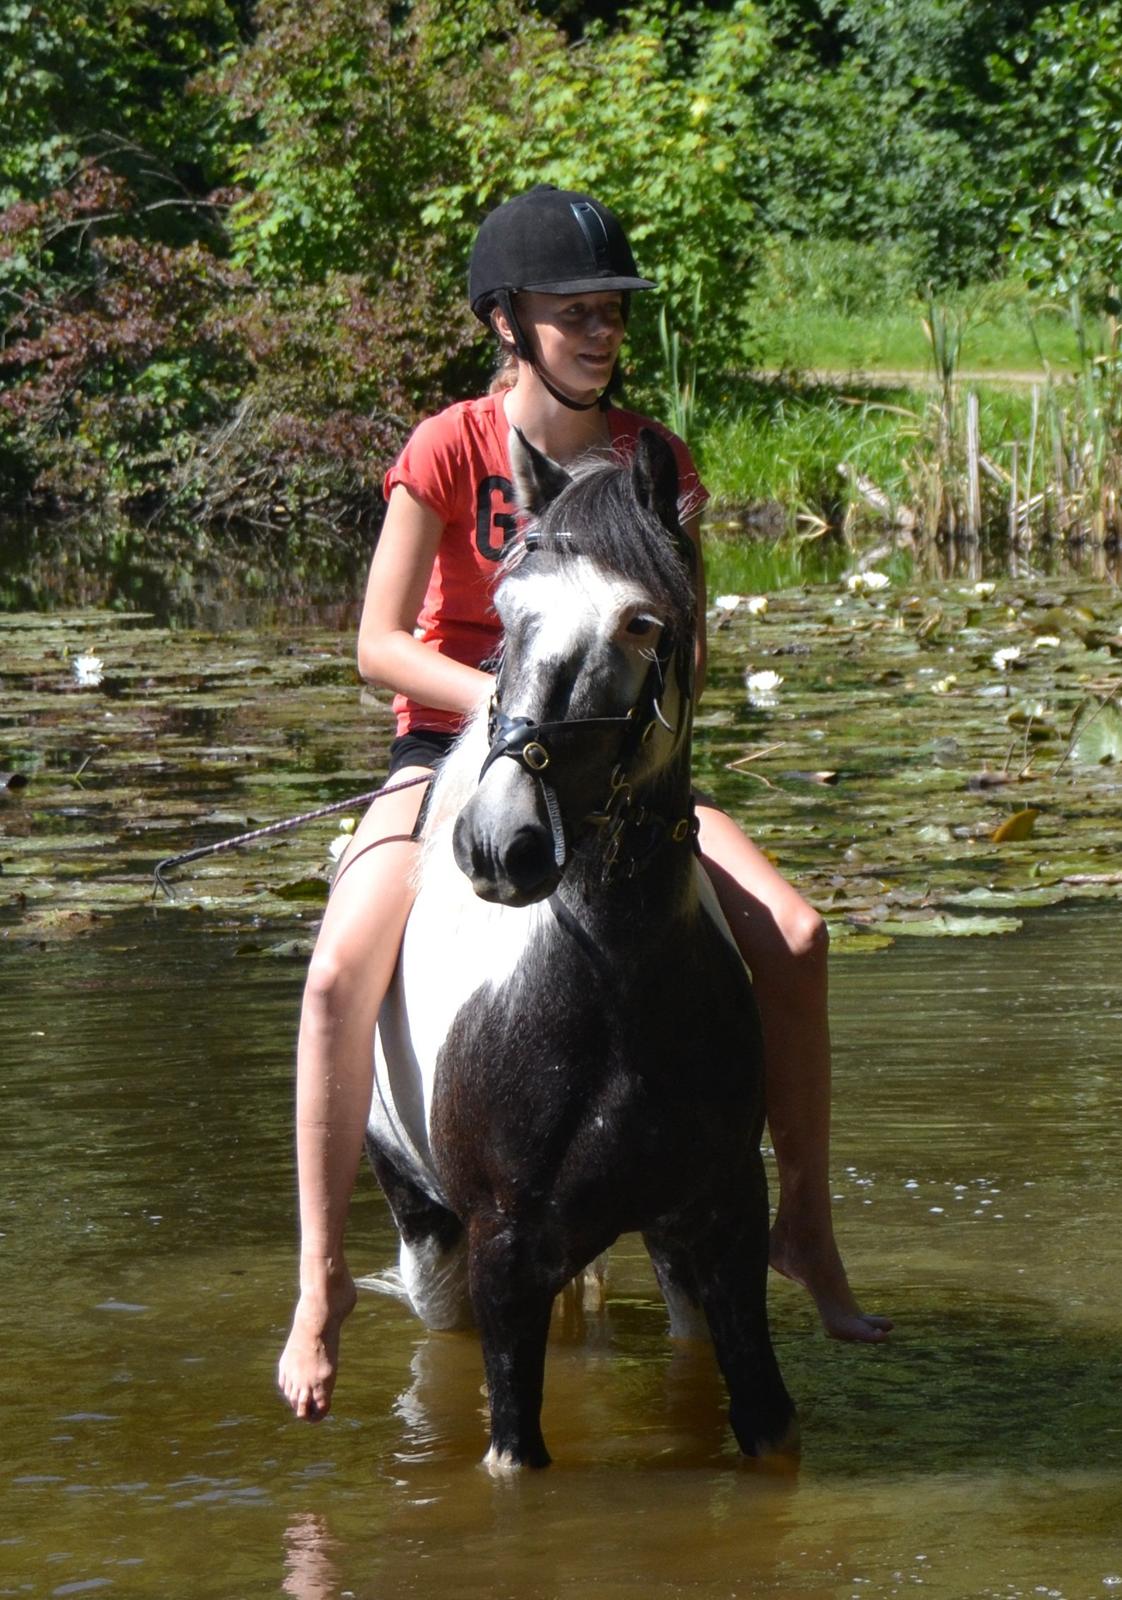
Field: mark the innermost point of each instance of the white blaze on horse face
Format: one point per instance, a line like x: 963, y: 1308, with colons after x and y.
x: 575, y: 613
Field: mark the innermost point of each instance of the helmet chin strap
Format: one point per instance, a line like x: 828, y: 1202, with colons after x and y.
x: 600, y: 401
x: 522, y: 349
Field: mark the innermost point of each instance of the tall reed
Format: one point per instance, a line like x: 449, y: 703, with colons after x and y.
x: 679, y: 374
x: 1057, y: 473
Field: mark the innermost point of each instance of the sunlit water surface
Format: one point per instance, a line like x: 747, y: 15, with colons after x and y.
x: 146, y: 1265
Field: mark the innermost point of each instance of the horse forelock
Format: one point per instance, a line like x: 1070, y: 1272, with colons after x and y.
x: 598, y: 518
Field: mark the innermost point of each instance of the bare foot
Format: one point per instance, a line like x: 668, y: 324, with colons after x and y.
x: 821, y: 1272
x: 310, y: 1360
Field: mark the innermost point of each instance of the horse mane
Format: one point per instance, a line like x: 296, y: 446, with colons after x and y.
x: 598, y: 517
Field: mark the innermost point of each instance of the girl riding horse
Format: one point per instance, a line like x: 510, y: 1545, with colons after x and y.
x: 551, y: 275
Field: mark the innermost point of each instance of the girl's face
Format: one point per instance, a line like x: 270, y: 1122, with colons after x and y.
x: 576, y: 337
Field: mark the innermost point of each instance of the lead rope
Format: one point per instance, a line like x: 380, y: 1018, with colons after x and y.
x: 169, y: 862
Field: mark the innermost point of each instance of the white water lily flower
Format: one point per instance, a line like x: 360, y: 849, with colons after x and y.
x: 984, y: 589
x: 761, y: 687
x: 1046, y: 641
x: 726, y: 602
x: 343, y: 838
x: 763, y: 682
x: 88, y: 671
x: 1003, y: 658
x: 757, y: 604
x: 944, y: 685
x: 867, y: 582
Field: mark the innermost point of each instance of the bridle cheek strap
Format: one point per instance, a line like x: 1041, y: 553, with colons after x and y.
x: 520, y: 739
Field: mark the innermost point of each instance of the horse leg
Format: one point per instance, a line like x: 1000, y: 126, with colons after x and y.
x: 512, y: 1303
x: 678, y: 1283
x: 730, y: 1265
x: 433, y: 1255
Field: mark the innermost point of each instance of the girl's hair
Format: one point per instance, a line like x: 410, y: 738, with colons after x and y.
x: 506, y: 370
x: 506, y: 364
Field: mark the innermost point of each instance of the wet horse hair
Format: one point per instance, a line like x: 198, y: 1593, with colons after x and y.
x: 570, y: 1049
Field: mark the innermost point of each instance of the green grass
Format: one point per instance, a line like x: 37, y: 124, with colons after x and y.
x: 831, y: 316
x: 795, y: 339
x: 777, y: 442
x: 783, y: 443
x: 843, y: 306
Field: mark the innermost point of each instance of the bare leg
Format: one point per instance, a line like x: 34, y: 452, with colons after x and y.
x: 350, y: 971
x: 784, y: 943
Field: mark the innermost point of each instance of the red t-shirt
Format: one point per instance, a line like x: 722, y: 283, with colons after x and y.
x: 457, y: 463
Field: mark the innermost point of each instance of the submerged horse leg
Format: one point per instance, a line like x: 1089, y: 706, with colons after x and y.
x: 729, y: 1256
x: 678, y: 1283
x: 512, y: 1302
x: 433, y: 1247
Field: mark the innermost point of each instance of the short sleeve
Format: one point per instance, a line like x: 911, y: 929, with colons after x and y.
x: 431, y: 465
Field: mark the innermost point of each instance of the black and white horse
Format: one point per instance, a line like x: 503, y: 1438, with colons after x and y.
x: 571, y: 1049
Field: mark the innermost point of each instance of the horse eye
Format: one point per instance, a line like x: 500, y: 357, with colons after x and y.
x: 641, y: 627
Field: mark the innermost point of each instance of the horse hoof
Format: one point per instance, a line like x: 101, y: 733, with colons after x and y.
x: 774, y: 1438
x: 780, y: 1452
x: 505, y: 1464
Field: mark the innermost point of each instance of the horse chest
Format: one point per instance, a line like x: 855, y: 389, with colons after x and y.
x: 458, y: 953
x: 601, y: 1085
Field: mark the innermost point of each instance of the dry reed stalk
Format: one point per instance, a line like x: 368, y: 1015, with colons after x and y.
x: 1013, y: 493
x: 973, y: 483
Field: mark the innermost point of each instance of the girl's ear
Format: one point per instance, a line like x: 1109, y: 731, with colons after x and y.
x: 502, y: 327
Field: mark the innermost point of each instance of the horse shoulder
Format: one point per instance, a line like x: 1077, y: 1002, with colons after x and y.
x: 457, y: 950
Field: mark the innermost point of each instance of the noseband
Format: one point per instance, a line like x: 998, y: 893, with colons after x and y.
x: 633, y: 834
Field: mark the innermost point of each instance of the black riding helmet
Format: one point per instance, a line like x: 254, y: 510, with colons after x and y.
x: 551, y: 241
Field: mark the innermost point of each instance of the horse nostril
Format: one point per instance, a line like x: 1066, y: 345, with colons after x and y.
x: 528, y: 860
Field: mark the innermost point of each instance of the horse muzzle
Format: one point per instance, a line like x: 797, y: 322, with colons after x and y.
x: 508, y: 862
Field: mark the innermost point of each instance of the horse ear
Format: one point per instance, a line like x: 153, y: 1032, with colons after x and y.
x: 654, y: 476
x: 538, y: 479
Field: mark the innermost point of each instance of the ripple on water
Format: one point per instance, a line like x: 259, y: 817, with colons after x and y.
x: 969, y: 1439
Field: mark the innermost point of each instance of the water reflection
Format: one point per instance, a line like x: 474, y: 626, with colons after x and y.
x: 966, y: 559
x: 310, y: 1568
x: 48, y: 566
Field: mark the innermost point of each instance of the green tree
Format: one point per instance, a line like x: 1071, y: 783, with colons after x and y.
x: 1063, y: 108
x: 113, y: 82
x: 657, y: 119
x: 109, y: 240
x: 886, y: 128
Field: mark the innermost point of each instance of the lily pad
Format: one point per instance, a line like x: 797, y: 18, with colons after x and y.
x: 945, y: 925
x: 1017, y: 827
x: 208, y: 735
x: 1098, y: 735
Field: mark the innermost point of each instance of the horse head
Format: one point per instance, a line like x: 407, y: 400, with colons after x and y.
x: 589, y: 726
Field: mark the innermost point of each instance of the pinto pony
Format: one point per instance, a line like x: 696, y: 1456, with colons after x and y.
x: 570, y: 1049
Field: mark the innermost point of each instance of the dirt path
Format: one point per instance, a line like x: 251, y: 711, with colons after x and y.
x: 916, y: 377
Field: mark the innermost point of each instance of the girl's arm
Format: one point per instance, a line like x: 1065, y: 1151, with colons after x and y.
x: 388, y: 654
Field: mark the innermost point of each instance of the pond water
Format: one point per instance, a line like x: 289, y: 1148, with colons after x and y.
x: 147, y: 1193
x: 146, y: 1258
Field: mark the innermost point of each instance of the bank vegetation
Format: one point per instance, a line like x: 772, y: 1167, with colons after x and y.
x: 233, y: 235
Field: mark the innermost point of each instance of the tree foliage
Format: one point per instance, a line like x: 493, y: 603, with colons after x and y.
x: 1063, y: 98
x: 657, y: 119
x: 233, y: 235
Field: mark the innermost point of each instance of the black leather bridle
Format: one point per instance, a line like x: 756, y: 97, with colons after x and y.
x: 633, y: 834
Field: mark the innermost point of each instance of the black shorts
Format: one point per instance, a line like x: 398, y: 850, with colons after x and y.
x: 421, y: 747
